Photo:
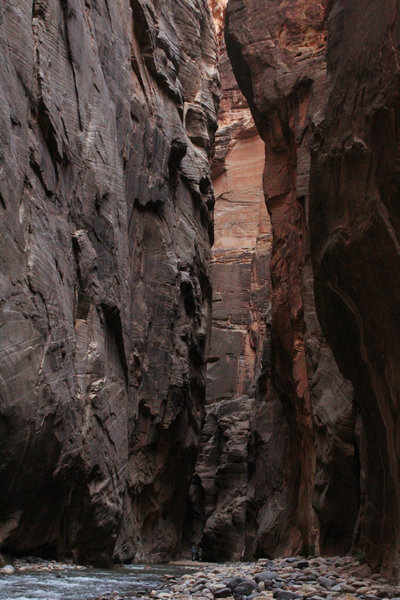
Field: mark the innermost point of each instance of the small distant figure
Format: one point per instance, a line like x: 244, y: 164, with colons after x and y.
x: 194, y: 552
x: 200, y: 554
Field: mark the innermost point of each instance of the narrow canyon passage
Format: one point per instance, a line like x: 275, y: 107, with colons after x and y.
x: 278, y: 471
x: 200, y: 280
x: 312, y: 505
x: 220, y: 496
x: 321, y: 83
x: 217, y: 512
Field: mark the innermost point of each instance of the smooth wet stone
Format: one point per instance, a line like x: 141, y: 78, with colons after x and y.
x: 266, y: 576
x: 223, y: 593
x: 357, y: 584
x: 245, y: 588
x: 326, y: 582
x: 364, y: 571
x: 233, y: 582
x: 198, y: 587
x: 7, y: 570
x: 281, y: 594
x: 213, y: 586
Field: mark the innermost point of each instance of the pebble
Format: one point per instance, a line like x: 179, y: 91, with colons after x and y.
x: 293, y: 578
x: 40, y: 565
x: 326, y: 582
x: 266, y: 576
x: 285, y: 595
x: 7, y: 570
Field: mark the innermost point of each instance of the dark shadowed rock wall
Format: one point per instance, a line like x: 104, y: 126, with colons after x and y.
x: 306, y: 456
x: 355, y: 234
x: 107, y: 115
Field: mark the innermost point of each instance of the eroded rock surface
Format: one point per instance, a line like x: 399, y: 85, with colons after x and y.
x: 221, y: 489
x: 309, y: 501
x: 354, y: 216
x: 107, y: 115
x: 239, y: 268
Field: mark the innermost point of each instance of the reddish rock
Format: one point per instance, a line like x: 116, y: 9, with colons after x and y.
x: 278, y: 55
x: 220, y: 491
x: 240, y: 270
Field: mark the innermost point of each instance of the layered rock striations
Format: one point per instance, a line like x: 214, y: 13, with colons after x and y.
x: 354, y: 218
x: 307, y: 465
x: 221, y: 490
x: 240, y: 271
x: 107, y: 122
x: 107, y: 116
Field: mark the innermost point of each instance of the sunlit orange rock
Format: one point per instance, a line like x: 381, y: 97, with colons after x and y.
x: 240, y: 276
x: 278, y: 51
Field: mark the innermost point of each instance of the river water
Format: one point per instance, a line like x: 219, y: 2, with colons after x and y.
x: 129, y: 582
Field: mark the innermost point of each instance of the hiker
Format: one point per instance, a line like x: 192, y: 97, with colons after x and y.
x: 194, y: 552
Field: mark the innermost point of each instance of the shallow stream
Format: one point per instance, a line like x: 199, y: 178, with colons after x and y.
x: 128, y: 582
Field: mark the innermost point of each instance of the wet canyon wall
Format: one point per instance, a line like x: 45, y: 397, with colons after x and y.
x: 107, y: 116
x: 321, y: 79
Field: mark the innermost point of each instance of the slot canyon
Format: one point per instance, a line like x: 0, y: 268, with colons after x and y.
x: 200, y: 280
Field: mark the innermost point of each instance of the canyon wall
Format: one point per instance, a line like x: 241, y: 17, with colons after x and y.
x: 221, y: 490
x: 107, y: 123
x: 322, y: 82
x: 355, y: 233
x: 107, y: 116
x: 239, y: 269
x: 308, y: 465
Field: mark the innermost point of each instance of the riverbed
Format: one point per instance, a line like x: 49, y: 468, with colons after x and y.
x: 129, y: 582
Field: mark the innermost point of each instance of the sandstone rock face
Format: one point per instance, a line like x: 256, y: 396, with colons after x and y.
x: 107, y: 115
x: 354, y: 217
x: 240, y: 269
x: 306, y: 457
x: 217, y: 512
x: 220, y: 491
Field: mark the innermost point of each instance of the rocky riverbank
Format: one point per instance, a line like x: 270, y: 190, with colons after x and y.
x: 333, y: 578
x: 295, y: 578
